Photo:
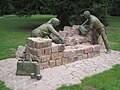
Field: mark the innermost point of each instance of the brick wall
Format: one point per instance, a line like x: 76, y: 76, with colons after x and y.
x: 49, y: 54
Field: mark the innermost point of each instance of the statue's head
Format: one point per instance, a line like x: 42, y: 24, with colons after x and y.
x: 54, y: 21
x: 86, y: 14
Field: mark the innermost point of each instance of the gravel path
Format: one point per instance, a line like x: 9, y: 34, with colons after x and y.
x: 52, y: 78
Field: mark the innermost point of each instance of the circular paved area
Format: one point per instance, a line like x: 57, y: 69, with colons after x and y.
x: 53, y: 78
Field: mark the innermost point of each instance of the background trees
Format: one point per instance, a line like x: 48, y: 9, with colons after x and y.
x: 6, y: 7
x: 114, y: 7
x: 68, y: 11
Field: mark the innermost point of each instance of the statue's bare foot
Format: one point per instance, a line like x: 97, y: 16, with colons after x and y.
x: 108, y: 51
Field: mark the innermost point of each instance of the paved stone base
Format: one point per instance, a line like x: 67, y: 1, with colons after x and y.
x: 53, y: 78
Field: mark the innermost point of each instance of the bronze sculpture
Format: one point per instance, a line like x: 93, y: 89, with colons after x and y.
x: 94, y: 23
x: 45, y: 30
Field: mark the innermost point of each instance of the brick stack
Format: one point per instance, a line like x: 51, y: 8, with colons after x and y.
x: 45, y: 52
x: 49, y: 54
x: 72, y: 37
x: 79, y: 52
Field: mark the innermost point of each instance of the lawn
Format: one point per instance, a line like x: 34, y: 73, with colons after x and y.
x: 114, y: 32
x: 107, y: 80
x: 3, y: 86
x: 14, y: 31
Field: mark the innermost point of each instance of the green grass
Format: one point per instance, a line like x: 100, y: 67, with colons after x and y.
x: 3, y: 86
x: 108, y: 80
x: 15, y: 30
x: 113, y: 21
x: 114, y: 32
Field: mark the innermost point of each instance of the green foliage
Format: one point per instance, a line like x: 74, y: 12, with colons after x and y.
x: 3, y: 86
x: 64, y: 9
x: 69, y: 10
x: 29, y: 7
x: 114, y: 7
x: 108, y: 80
x: 6, y: 7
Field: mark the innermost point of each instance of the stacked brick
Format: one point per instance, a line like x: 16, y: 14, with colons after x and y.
x: 79, y: 52
x: 45, y: 52
x: 49, y: 54
x: 72, y: 37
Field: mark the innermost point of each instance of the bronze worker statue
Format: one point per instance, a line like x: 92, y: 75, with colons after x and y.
x: 95, y: 24
x: 45, y: 30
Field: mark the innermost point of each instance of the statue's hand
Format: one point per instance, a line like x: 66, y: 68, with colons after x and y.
x: 62, y: 42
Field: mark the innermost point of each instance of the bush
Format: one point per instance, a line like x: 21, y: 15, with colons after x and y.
x: 114, y: 9
x: 99, y: 10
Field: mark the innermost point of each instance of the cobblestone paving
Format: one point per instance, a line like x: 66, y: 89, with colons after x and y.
x: 53, y: 78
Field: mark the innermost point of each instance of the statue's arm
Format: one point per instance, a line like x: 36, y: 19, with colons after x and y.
x: 85, y: 22
x: 52, y: 30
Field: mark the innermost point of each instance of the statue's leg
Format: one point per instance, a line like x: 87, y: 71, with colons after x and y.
x: 95, y: 37
x: 104, y: 37
x: 95, y: 40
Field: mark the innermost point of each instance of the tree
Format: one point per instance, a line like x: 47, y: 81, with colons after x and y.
x: 28, y: 7
x: 70, y: 10
x: 66, y: 10
x: 6, y: 7
x: 114, y: 7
